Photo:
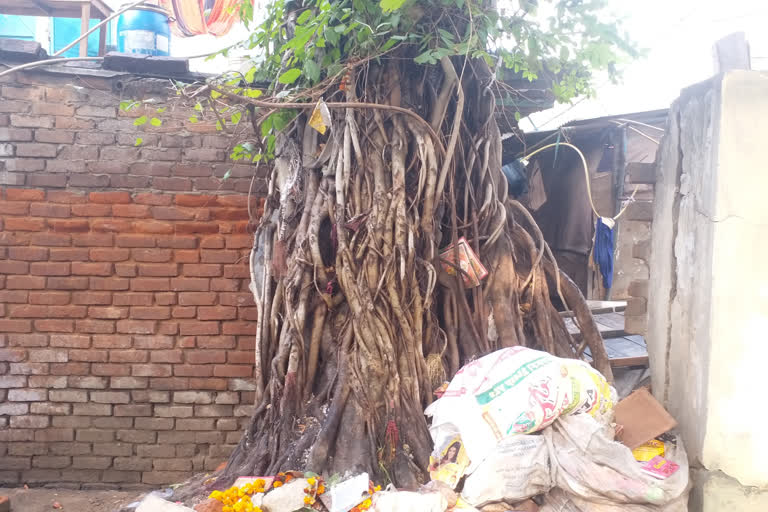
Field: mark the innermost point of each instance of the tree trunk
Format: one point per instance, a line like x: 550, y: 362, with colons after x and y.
x: 358, y: 320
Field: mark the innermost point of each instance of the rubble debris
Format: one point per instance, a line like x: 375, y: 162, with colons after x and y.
x: 345, y: 495
x: 642, y: 417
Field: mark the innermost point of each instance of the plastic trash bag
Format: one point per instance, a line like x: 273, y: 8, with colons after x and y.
x: 597, y: 474
x: 512, y: 391
x: 517, y: 470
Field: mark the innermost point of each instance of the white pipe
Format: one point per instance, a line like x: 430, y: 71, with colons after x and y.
x: 45, y: 62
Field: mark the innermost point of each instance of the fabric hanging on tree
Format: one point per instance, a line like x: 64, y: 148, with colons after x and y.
x: 198, y: 17
x: 603, y: 250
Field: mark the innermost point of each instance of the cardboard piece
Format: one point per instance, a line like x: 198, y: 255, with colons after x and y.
x: 642, y: 418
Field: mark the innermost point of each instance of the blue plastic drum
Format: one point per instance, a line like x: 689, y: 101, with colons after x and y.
x: 144, y: 30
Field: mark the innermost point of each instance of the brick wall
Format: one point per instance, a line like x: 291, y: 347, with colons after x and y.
x: 126, y: 324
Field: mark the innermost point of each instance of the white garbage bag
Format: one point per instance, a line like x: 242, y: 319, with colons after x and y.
x: 508, y: 392
x: 406, y: 501
x: 517, y: 469
x: 597, y: 474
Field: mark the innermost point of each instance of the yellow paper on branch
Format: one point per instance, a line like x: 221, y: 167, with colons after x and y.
x: 649, y: 450
x: 320, y: 119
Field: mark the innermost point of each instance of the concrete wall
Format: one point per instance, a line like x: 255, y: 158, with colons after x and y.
x: 708, y: 298
x: 126, y: 324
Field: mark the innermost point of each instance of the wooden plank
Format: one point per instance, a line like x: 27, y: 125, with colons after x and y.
x: 85, y: 18
x: 624, y: 362
x: 612, y: 320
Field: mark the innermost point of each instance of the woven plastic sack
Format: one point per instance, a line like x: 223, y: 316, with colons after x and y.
x: 512, y: 391
x: 597, y: 474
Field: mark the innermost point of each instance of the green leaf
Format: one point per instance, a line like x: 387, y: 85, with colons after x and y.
x: 250, y: 75
x: 161, y: 110
x: 227, y: 174
x: 140, y: 121
x: 139, y: 141
x: 289, y: 76
x: 127, y: 106
x: 199, y: 107
x: 253, y: 93
x: 425, y: 57
x: 155, y: 121
x: 193, y: 120
x: 304, y: 17
x: 391, y: 5
x: 389, y: 44
x: 236, y: 117
x: 219, y: 127
x: 215, y: 94
x: 312, y: 70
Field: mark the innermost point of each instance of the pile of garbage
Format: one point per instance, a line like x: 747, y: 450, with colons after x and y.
x: 515, y: 431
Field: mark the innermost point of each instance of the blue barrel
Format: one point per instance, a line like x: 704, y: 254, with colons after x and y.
x: 144, y: 30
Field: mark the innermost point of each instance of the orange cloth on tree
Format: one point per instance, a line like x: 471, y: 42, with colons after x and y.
x: 189, y: 17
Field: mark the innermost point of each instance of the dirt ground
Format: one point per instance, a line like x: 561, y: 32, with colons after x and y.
x: 42, y: 500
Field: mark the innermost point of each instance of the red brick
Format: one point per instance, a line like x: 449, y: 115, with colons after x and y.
x: 130, y: 210
x: 112, y: 341
x: 216, y: 342
x: 91, y: 210
x: 14, y: 208
x: 151, y: 255
x: 14, y: 297
x: 49, y: 210
x: 136, y: 326
x: 7, y: 326
x: 196, y: 227
x: 51, y: 239
x: 109, y: 254
x: 233, y: 370
x: 93, y: 240
x: 153, y: 342
x: 110, y: 370
x: 28, y: 340
x: 109, y: 283
x: 110, y: 197
x: 249, y: 313
x: 205, y: 356
x: 153, y: 199
x: 92, y: 298
x: 178, y: 242
x: 153, y: 227
x: 166, y: 356
x: 28, y: 253
x: 128, y: 383
x: 66, y: 197
x: 216, y: 313
x: 136, y: 241
x: 25, y: 283
x: 165, y: 299
x: 69, y: 225
x: 236, y: 299
x: 14, y: 267
x: 107, y: 313
x: 186, y: 256
x: 151, y: 370
x: 239, y: 328
x: 54, y: 435
x: 91, y: 269
x: 88, y: 356
x: 169, y: 383
x: 68, y: 283
x: 38, y: 311
x: 133, y: 299
x: 239, y: 242
x: 197, y: 298
x: 54, y: 325
x: 230, y: 214
x: 126, y: 269
x: 24, y: 194
x: 50, y: 298
x: 95, y: 326
x: 169, y: 328
x: 132, y: 182
x: 189, y: 284
x: 159, y: 270
x: 68, y: 254
x: 53, y: 109
x: 151, y: 313
x: 151, y: 169
x: 195, y: 328
x: 208, y: 270
x: 70, y: 369
x: 24, y: 224
x: 61, y: 268
x: 149, y: 284
x: 236, y: 271
x: 111, y: 225
x: 240, y: 357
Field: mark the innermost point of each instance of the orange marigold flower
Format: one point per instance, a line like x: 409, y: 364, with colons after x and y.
x: 277, y: 483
